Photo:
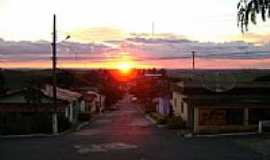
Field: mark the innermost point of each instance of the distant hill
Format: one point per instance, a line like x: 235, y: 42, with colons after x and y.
x: 238, y: 74
x: 265, y: 78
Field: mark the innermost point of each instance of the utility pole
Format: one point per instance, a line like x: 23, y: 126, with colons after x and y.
x: 54, y: 51
x: 193, y: 60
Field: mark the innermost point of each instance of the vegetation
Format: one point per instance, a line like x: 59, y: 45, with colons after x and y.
x: 2, y: 84
x: 84, y: 116
x: 158, y: 118
x: 248, y: 11
x: 262, y: 79
x: 147, y: 88
x: 176, y: 123
x: 33, y: 95
x: 105, y: 83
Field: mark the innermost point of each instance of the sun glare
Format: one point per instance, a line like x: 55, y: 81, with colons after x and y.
x: 124, y: 67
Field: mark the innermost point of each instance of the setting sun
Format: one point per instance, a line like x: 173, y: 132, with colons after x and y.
x: 124, y: 67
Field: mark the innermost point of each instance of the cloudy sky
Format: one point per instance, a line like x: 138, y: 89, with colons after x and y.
x: 107, y: 33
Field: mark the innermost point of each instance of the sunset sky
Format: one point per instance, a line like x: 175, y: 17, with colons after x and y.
x: 111, y: 33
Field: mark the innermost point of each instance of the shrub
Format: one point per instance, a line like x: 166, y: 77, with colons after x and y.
x: 84, y: 116
x: 63, y: 123
x: 159, y: 119
x: 176, y: 123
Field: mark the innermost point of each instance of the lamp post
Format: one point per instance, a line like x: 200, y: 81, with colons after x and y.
x: 54, y: 65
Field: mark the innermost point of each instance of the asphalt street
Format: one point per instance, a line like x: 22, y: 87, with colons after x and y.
x: 123, y: 134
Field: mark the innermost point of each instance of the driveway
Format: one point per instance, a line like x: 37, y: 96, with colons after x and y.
x: 124, y: 135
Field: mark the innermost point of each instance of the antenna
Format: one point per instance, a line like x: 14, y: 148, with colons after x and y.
x: 153, y: 28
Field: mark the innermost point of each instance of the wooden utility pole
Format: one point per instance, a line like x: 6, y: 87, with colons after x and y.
x: 193, y: 60
x: 54, y: 51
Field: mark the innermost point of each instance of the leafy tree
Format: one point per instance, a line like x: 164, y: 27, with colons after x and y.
x: 248, y: 11
x: 2, y: 84
x: 64, y: 79
x: 33, y: 94
x: 110, y: 87
x: 105, y: 83
x: 265, y: 78
x: 146, y: 89
x: 163, y: 72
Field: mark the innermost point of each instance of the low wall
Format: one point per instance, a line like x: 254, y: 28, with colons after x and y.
x: 227, y: 129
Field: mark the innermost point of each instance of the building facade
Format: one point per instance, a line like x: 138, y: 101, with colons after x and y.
x: 24, y: 114
x: 235, y: 110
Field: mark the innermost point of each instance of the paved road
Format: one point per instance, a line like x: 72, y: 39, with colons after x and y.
x: 123, y: 135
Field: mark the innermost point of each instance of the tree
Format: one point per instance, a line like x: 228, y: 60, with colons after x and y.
x: 2, y: 84
x: 32, y: 93
x: 163, y: 72
x: 248, y: 11
x: 65, y: 79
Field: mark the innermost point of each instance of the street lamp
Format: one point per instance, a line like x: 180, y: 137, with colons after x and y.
x: 67, y: 37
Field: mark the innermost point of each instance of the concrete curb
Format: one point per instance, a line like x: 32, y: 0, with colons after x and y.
x: 139, y: 109
x: 149, y: 118
x: 82, y: 125
x: 85, y: 124
x: 225, y: 134
x: 28, y: 136
x: 145, y: 115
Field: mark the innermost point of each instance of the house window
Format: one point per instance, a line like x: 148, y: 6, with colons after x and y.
x: 182, y: 107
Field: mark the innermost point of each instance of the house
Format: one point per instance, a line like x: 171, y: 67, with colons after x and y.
x: 90, y: 103
x: 236, y: 109
x: 76, y: 104
x: 163, y: 106
x: 94, y: 100
x: 24, y: 114
x: 99, y: 101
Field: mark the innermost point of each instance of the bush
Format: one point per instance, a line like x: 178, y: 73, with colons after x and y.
x: 63, y: 123
x: 176, y: 123
x: 84, y: 116
x: 159, y: 119
x: 149, y: 107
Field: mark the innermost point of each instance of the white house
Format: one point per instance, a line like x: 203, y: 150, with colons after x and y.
x: 99, y: 100
x: 163, y: 105
x: 75, y: 102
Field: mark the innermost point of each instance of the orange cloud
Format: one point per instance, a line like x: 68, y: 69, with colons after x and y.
x: 250, y: 37
x: 185, y: 63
